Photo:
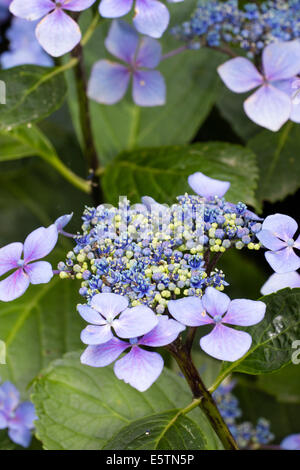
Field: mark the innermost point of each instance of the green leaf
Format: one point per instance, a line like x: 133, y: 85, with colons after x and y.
x: 167, y: 431
x: 278, y: 158
x: 81, y: 407
x: 37, y: 328
x: 272, y: 338
x: 32, y: 93
x: 166, y: 171
x: 25, y: 141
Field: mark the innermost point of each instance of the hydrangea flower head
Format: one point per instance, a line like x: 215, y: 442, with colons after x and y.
x: 102, y: 316
x: 139, y: 368
x: 216, y: 308
x: 109, y: 80
x: 277, y: 235
x: 151, y: 16
x: 57, y: 32
x: 27, y: 270
x: 269, y: 106
x: 17, y: 417
x: 291, y: 442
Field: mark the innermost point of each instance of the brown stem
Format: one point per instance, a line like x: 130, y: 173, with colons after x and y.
x: 208, y: 405
x: 89, y: 149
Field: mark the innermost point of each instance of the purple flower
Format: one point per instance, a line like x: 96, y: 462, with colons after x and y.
x: 37, y: 245
x: 151, y: 17
x: 280, y: 281
x: 277, y: 235
x: 140, y: 368
x: 57, y: 32
x: 103, y: 312
x: 17, y: 417
x: 291, y: 442
x: 206, y: 186
x: 216, y: 308
x: 269, y: 106
x: 62, y: 221
x: 24, y: 47
x: 109, y: 80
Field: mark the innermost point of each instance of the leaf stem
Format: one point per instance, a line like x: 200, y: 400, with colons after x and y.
x: 201, y: 395
x: 69, y: 175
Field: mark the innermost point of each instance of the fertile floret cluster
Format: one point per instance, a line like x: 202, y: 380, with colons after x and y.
x: 152, y: 253
x: 245, y: 433
x: 250, y: 27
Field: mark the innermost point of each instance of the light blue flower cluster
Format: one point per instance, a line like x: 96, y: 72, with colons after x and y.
x: 153, y: 254
x: 250, y: 27
x: 245, y: 434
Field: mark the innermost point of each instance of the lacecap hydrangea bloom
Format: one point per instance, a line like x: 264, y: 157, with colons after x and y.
x: 109, y: 80
x: 17, y: 417
x: 151, y: 17
x: 141, y: 264
x: 56, y: 31
x: 271, y: 105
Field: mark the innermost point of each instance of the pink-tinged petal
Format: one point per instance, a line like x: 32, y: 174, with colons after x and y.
x: 281, y: 60
x: 291, y: 442
x: 281, y: 225
x: 164, y: 333
x: 24, y: 416
x: 122, y: 41
x: 135, y: 322
x: 90, y: 315
x: 270, y: 241
x: 244, y: 312
x: 149, y: 88
x: 39, y: 273
x: 40, y: 243
x: 77, y: 5
x: 226, y: 343
x: 108, y: 82
x: 139, y: 368
x: 268, y: 107
x: 281, y: 281
x: 240, y: 75
x: 9, y: 257
x: 206, y: 186
x: 115, y: 8
x: 149, y: 53
x: 21, y: 436
x: 109, y: 305
x: 103, y: 354
x: 10, y: 396
x: 93, y: 334
x: 283, y: 261
x: 3, y: 421
x: 151, y: 17
x: 215, y: 302
x: 31, y: 9
x: 14, y: 286
x: 297, y: 243
x: 58, y: 33
x: 189, y: 311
